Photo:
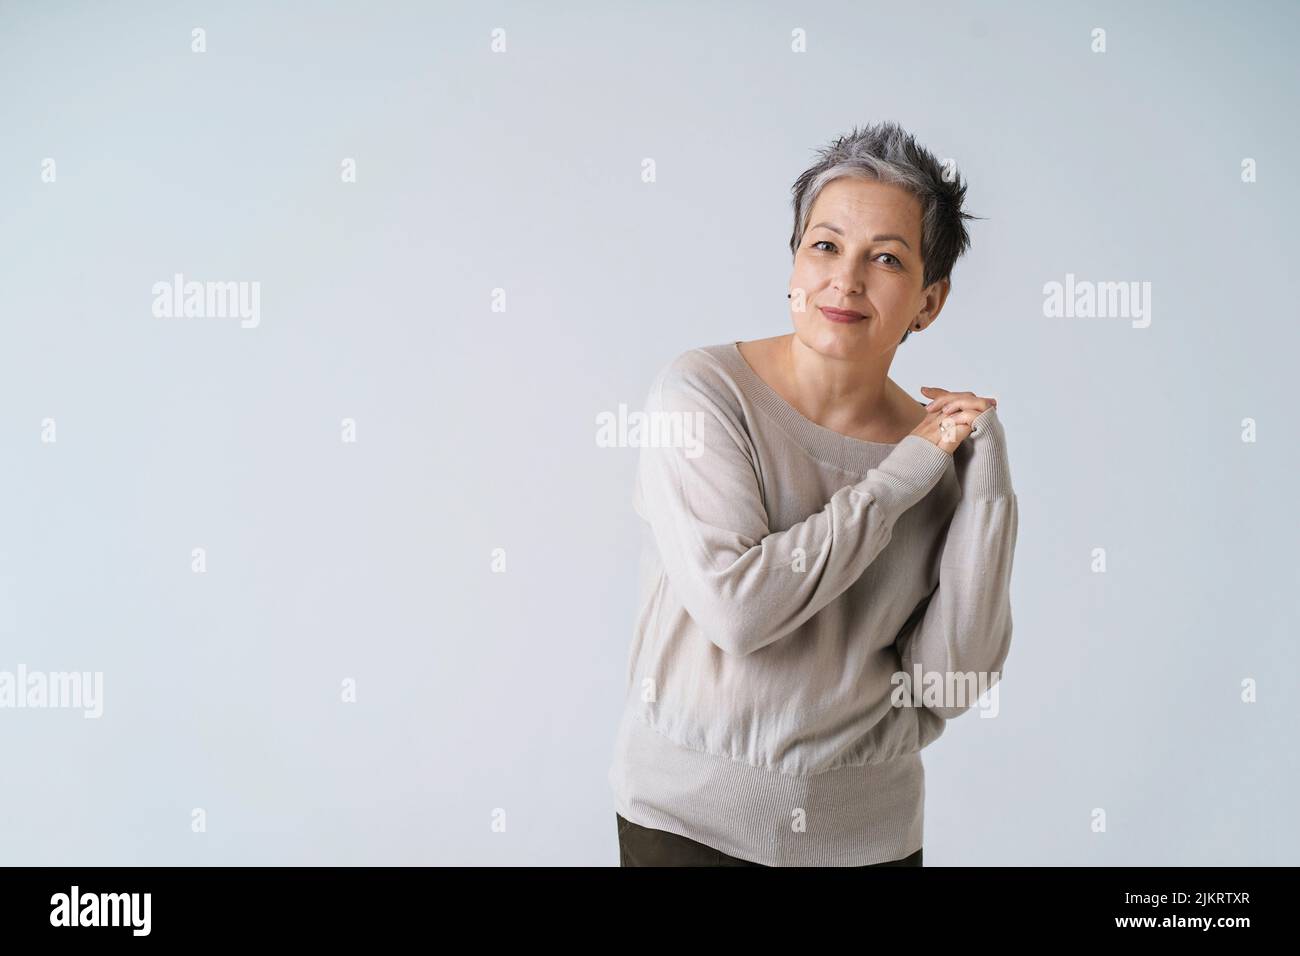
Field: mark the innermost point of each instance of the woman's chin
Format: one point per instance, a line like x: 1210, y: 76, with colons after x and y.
x: 841, y: 342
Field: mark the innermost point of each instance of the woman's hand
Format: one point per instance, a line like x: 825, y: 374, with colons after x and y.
x: 949, y: 415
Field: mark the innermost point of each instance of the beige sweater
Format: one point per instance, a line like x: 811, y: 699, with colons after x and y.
x: 793, y: 581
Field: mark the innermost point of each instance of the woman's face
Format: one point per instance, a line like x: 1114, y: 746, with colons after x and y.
x: 861, y: 252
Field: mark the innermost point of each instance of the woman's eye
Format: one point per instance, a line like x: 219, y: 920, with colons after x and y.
x: 894, y: 261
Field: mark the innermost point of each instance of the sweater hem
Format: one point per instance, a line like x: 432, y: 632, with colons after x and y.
x: 850, y: 816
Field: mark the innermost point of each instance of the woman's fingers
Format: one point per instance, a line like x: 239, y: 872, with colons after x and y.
x: 954, y: 428
x: 948, y: 431
x: 964, y: 400
x: 955, y: 413
x: 958, y: 418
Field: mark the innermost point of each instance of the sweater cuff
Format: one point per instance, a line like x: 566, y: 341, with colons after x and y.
x: 916, y: 464
x: 988, y: 473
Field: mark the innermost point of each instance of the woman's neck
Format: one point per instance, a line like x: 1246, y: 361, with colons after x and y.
x: 846, y: 397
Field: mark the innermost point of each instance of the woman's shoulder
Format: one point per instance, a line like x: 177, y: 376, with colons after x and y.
x: 699, y: 380
x: 707, y: 367
x: 910, y: 411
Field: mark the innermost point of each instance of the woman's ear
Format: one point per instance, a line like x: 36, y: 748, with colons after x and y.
x: 935, y: 296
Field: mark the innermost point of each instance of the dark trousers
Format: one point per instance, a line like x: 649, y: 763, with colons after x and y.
x: 643, y: 846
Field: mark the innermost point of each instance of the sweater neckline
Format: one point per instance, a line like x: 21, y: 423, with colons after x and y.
x: 818, y: 438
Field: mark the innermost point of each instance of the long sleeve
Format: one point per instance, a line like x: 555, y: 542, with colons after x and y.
x: 744, y: 584
x: 964, y: 625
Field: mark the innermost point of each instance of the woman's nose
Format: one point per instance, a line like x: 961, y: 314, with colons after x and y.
x: 848, y: 283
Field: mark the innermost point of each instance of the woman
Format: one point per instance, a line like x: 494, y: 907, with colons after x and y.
x: 823, y: 543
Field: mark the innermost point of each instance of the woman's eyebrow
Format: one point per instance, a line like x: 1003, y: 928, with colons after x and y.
x: 884, y: 237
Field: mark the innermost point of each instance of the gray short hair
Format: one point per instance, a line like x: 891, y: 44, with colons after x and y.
x: 888, y: 154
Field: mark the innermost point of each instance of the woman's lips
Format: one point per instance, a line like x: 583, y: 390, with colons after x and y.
x: 839, y: 315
